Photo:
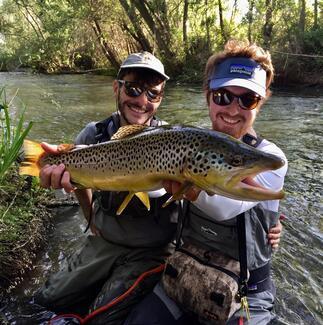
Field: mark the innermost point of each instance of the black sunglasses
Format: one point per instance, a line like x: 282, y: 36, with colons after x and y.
x: 224, y: 97
x: 133, y: 89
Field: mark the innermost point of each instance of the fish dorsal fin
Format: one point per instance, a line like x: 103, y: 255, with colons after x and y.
x: 128, y: 130
x: 65, y: 147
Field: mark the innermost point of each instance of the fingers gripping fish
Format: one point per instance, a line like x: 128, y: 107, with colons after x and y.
x: 139, y: 158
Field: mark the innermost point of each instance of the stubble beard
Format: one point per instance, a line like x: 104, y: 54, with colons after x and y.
x: 122, y: 109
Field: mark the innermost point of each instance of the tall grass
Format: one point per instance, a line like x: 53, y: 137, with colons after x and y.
x: 12, y: 134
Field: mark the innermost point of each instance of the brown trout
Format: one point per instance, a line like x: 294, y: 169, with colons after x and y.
x: 138, y: 158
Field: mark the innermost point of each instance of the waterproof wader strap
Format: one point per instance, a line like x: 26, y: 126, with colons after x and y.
x: 242, y: 244
x: 182, y: 211
x: 241, y: 227
x: 251, y: 140
x: 94, y: 196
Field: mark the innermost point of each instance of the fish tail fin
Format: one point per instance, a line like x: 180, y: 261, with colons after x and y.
x: 32, y: 153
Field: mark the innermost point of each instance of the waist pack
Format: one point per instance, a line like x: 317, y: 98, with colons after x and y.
x: 203, y: 282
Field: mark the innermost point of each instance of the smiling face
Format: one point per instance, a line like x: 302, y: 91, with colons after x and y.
x: 232, y: 119
x: 137, y: 110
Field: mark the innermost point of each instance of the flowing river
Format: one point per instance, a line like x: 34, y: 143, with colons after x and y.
x: 61, y: 105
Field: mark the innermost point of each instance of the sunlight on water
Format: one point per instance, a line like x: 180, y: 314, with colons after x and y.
x: 61, y: 105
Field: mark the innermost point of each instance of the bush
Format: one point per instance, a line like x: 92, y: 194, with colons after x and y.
x: 12, y: 135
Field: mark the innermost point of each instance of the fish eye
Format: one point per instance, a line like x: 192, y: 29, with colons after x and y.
x: 236, y: 161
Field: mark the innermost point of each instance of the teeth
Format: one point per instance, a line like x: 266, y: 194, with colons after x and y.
x: 137, y: 110
x: 229, y: 120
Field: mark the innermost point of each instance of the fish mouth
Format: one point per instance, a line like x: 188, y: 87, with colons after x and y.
x: 252, y: 190
x: 244, y: 184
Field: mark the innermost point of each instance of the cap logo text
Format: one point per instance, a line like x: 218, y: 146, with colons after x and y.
x: 241, y: 69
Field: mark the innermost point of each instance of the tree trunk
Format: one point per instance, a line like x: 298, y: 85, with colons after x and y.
x: 208, y: 25
x: 302, y: 16
x: 233, y: 12
x: 161, y: 36
x: 185, y: 17
x: 250, y: 19
x: 223, y: 33
x: 107, y: 50
x: 29, y: 16
x: 268, y: 26
x: 315, y: 25
x: 301, y: 23
x: 138, y: 35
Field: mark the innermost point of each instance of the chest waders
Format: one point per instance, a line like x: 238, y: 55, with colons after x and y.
x: 253, y: 225
x: 114, y: 271
x: 157, y: 226
x: 243, y: 238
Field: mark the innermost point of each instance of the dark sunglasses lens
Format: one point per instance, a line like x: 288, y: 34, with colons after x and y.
x: 222, y: 98
x: 154, y: 96
x: 248, y: 101
x: 133, y: 91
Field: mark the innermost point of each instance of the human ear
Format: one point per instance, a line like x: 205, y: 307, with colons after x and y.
x: 115, y: 86
x: 207, y: 96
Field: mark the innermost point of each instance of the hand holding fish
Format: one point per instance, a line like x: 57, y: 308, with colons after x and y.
x: 173, y: 187
x: 54, y: 176
x: 275, y: 234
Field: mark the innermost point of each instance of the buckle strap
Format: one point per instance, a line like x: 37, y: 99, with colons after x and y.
x: 260, y: 286
x: 259, y: 274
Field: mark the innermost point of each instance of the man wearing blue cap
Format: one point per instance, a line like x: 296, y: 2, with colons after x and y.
x: 236, y: 85
x: 126, y: 246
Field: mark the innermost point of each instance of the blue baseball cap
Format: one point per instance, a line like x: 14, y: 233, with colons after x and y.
x: 242, y: 72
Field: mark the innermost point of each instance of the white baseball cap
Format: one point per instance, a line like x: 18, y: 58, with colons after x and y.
x: 144, y: 60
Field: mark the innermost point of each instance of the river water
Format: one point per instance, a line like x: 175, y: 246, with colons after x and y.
x: 61, y: 105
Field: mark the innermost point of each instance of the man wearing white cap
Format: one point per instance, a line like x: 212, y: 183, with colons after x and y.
x: 125, y: 246
x: 129, y: 245
x: 236, y: 85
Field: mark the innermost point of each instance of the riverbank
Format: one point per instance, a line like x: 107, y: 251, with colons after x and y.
x: 25, y: 220
x: 296, y: 74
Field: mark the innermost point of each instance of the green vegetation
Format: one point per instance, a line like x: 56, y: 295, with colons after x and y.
x: 23, y: 222
x: 74, y: 35
x: 12, y: 135
x: 23, y: 214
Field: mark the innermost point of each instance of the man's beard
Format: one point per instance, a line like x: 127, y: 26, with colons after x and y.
x: 122, y: 109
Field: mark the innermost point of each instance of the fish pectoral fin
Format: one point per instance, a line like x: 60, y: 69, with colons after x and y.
x: 142, y: 196
x: 128, y: 130
x: 179, y: 194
